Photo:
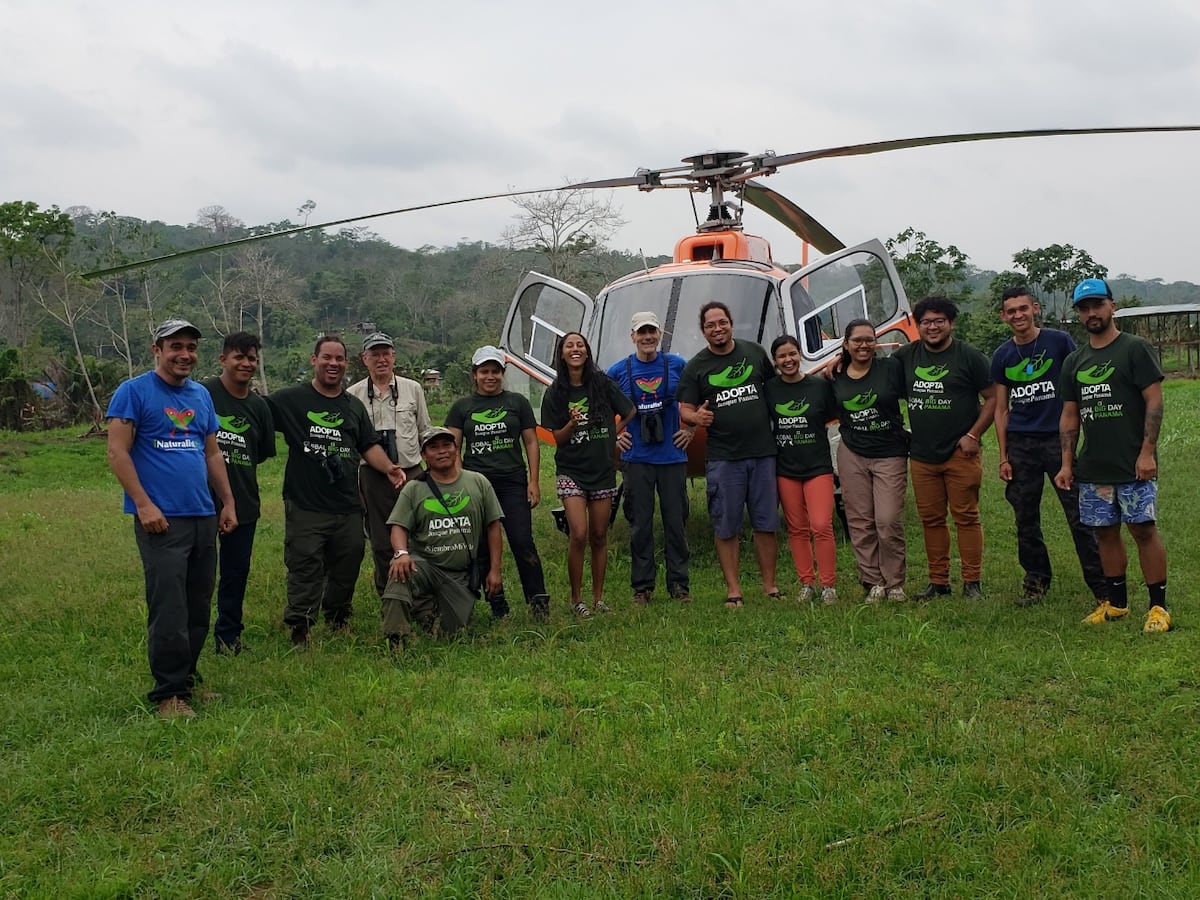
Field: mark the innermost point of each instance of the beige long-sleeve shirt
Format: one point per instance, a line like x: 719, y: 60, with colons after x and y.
x: 400, y: 408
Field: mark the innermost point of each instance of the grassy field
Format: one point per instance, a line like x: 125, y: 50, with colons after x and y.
x: 935, y: 750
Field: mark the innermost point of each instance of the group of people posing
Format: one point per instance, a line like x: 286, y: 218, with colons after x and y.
x: 433, y: 500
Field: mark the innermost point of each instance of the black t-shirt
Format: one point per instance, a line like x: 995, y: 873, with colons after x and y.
x: 589, y: 456
x: 491, y: 428
x: 733, y: 387
x: 800, y: 415
x: 246, y: 436
x: 869, y: 410
x: 325, y: 438
x: 943, y: 396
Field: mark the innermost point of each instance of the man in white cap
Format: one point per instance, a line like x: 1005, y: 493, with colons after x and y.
x: 397, y: 409
x: 162, y: 447
x: 654, y: 449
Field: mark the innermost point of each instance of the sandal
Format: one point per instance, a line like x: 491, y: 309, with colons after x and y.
x: 733, y: 602
x: 775, y: 595
x: 582, y: 612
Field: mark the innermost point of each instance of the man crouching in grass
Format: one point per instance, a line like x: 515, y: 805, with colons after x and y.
x: 435, y: 525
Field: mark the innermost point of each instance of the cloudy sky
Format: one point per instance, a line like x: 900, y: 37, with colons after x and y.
x: 157, y: 109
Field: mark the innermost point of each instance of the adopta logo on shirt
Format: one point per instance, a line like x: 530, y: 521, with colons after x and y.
x: 455, y: 503
x: 931, y: 373
x: 1097, y: 374
x: 859, y: 402
x: 732, y: 376
x: 489, y: 416
x: 1029, y: 369
x: 235, y: 424
x: 792, y: 408
x: 325, y: 419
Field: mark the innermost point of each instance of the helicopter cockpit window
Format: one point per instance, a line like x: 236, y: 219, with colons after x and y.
x: 544, y: 313
x: 750, y: 298
x: 855, y: 287
x: 616, y: 308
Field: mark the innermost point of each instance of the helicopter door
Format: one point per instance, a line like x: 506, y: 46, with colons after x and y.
x: 542, y: 311
x: 856, y: 283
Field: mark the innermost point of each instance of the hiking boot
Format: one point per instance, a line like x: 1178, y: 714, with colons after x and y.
x: 581, y: 611
x: 1105, y: 612
x: 1157, y: 620
x: 175, y: 708
x: 600, y: 606
x: 233, y: 649
x: 641, y: 598
x: 499, y: 605
x: 875, y: 594
x: 681, y: 595
x: 972, y: 590
x: 828, y: 596
x: 896, y: 595
x: 396, y: 643
x: 1031, y: 596
x: 539, y: 607
x: 807, y: 592
x: 300, y: 636
x: 932, y: 590
x: 338, y: 626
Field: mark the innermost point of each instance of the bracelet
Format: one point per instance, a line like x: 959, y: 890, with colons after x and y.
x: 972, y: 437
x: 399, y: 553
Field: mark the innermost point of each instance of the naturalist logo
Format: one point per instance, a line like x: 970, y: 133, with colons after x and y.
x: 648, y: 385
x: 180, y: 418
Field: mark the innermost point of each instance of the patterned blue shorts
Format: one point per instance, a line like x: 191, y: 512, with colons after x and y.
x: 1111, y: 504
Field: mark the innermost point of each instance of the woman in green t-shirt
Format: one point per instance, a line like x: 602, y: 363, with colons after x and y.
x: 872, y: 459
x: 581, y: 407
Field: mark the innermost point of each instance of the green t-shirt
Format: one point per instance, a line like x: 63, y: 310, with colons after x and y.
x: 869, y: 410
x: 1107, y: 384
x: 733, y: 387
x: 246, y: 436
x: 447, y: 535
x: 491, y: 428
x: 800, y: 415
x: 589, y: 456
x: 326, y: 436
x: 943, y: 396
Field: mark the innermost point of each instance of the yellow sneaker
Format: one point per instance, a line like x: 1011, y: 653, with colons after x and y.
x: 1157, y: 620
x: 1105, y: 612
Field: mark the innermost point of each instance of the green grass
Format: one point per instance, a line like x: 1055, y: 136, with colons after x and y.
x: 666, y: 751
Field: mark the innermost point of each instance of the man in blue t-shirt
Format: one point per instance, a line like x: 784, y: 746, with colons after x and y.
x: 655, y: 453
x: 162, y: 447
x: 1028, y: 405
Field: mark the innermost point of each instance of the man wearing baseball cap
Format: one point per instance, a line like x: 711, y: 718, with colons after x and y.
x: 162, y: 447
x: 398, y: 412
x: 654, y: 449
x: 1112, y: 391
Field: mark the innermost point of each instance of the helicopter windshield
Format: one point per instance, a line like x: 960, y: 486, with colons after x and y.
x: 677, y: 300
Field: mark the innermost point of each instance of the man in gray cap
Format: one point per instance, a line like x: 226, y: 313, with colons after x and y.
x: 654, y: 449
x: 398, y: 412
x: 163, y: 449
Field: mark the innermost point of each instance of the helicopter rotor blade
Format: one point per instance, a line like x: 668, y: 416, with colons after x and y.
x: 782, y: 209
x: 933, y: 140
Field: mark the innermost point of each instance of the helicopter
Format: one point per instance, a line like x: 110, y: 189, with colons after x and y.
x: 719, y: 261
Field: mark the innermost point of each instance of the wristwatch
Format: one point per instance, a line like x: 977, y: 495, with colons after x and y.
x: 399, y: 553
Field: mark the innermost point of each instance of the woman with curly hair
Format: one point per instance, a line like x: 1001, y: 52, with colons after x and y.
x: 581, y: 408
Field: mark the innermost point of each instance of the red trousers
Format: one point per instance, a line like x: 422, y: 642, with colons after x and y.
x: 808, y: 510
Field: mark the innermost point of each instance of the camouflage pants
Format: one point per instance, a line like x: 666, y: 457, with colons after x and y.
x: 1034, y: 458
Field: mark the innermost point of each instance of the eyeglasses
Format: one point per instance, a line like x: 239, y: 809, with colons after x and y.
x: 716, y: 323
x: 861, y: 342
x: 938, y: 322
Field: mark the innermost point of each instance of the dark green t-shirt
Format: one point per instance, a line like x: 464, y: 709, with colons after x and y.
x: 733, y: 387
x: 325, y: 438
x: 246, y: 436
x: 491, y: 428
x: 1107, y: 384
x: 943, y: 396
x: 869, y: 410
x: 447, y: 535
x: 800, y: 415
x: 589, y: 456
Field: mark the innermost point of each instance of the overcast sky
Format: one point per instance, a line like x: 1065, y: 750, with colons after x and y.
x: 156, y: 109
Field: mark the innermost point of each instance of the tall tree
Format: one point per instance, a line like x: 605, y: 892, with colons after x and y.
x: 926, y: 268
x: 566, y: 227
x: 1055, y: 270
x: 31, y: 241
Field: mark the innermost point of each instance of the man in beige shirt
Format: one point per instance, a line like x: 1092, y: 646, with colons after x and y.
x: 397, y: 409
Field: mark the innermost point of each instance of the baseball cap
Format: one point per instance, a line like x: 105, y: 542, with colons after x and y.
x: 434, y: 433
x: 642, y: 319
x: 485, y: 354
x: 1089, y: 288
x: 377, y: 339
x: 174, y: 326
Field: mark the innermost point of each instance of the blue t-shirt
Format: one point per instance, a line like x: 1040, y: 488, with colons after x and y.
x: 171, y: 425
x: 1031, y: 374
x: 652, y: 391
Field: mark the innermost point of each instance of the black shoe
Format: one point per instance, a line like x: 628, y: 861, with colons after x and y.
x: 300, y: 636
x: 1029, y: 597
x: 397, y: 643
x: 539, y: 607
x: 972, y: 590
x: 221, y: 648
x: 932, y: 590
x: 499, y: 605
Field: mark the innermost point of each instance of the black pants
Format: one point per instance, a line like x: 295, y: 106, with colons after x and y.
x: 323, y: 553
x: 236, y: 548
x: 513, y: 494
x: 642, y: 480
x: 180, y: 566
x: 1035, y: 457
x: 378, y: 499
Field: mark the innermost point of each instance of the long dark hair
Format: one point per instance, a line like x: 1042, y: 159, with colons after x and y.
x: 850, y: 326
x: 595, y: 382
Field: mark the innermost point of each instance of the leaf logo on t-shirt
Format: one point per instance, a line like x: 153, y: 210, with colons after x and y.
x: 580, y: 406
x: 455, y: 503
x: 648, y: 385
x: 792, y: 408
x: 931, y: 373
x: 732, y: 376
x: 325, y: 419
x: 1029, y: 369
x: 235, y: 423
x: 1097, y: 374
x: 488, y: 416
x: 180, y: 418
x: 862, y: 401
